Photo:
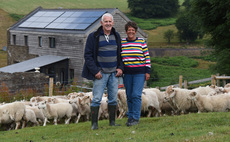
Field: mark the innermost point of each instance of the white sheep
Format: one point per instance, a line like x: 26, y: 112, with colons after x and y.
x: 160, y: 96
x: 218, y: 103
x: 204, y: 90
x: 38, y: 113
x: 227, y: 88
x: 180, y: 99
x: 103, y: 111
x: 56, y: 111
x: 150, y: 102
x: 122, y: 103
x: 30, y: 117
x: 83, y: 107
x: 12, y: 112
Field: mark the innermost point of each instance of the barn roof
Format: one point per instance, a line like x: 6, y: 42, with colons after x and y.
x: 31, y: 64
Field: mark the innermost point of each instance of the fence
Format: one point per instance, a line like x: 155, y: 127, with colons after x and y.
x: 215, y: 80
x: 51, y: 88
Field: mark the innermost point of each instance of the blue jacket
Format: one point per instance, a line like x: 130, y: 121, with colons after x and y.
x: 91, y: 68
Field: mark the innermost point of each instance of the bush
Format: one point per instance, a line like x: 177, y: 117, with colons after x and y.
x: 180, y: 61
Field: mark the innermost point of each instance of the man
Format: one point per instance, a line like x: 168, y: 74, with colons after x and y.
x: 103, y: 65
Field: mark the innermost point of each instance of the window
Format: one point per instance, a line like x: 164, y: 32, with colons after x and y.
x: 52, y: 42
x: 26, y: 40
x: 40, y: 41
x: 14, y: 39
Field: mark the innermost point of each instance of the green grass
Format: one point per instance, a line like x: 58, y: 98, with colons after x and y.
x: 169, y: 69
x: 23, y: 7
x: 210, y: 127
x: 3, y: 58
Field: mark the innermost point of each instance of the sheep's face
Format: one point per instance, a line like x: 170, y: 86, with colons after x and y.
x: 85, y: 101
x: 42, y: 105
x: 169, y: 91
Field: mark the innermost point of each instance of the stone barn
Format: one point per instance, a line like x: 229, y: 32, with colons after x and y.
x: 55, y: 39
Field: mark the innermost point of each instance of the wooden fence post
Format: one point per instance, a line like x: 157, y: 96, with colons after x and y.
x: 51, y: 84
x: 185, y: 84
x: 213, y: 81
x: 180, y: 81
x: 218, y: 81
x: 224, y: 81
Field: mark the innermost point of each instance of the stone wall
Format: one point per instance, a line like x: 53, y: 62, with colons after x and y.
x: 170, y: 52
x: 24, y: 80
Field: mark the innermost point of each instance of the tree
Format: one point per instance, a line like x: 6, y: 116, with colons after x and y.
x: 214, y: 19
x: 168, y: 35
x: 186, y: 32
x: 153, y: 8
x: 187, y: 25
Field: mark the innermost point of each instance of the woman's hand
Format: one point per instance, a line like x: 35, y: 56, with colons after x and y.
x: 147, y: 76
x: 119, y: 72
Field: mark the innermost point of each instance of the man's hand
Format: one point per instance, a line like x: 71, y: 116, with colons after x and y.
x: 119, y: 72
x: 98, y: 75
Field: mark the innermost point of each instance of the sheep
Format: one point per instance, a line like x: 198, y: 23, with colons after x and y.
x: 227, y: 87
x: 30, y: 117
x: 218, y: 103
x: 204, y: 90
x: 59, y: 100
x: 180, y: 99
x: 160, y: 96
x: 40, y: 99
x: 122, y: 103
x: 83, y: 107
x: 150, y: 101
x: 103, y: 111
x: 12, y: 112
x: 38, y: 113
x: 56, y: 111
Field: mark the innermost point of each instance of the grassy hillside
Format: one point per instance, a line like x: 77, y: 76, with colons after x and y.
x: 23, y: 7
x: 5, y: 22
x: 205, y: 127
x: 168, y: 70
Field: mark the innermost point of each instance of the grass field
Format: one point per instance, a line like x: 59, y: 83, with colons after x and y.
x: 194, y: 127
x: 23, y: 7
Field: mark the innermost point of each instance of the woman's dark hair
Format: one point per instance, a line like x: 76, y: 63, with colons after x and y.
x: 130, y: 24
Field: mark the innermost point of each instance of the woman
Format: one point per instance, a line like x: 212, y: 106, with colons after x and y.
x: 137, y: 68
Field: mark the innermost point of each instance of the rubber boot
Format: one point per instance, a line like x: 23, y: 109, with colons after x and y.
x: 94, y: 115
x: 112, y: 112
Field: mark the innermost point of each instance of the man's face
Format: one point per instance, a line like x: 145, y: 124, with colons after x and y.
x: 107, y: 24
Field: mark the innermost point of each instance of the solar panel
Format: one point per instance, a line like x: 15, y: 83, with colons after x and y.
x: 72, y: 20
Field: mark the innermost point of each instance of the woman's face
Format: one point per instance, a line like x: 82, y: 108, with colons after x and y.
x: 131, y: 33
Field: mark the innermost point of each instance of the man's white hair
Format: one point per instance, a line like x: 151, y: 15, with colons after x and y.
x: 106, y: 14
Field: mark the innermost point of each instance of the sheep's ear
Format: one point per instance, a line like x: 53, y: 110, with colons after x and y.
x: 79, y: 100
x: 90, y: 100
x: 193, y: 94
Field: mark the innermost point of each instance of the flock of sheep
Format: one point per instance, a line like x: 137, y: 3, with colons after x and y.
x: 42, y: 109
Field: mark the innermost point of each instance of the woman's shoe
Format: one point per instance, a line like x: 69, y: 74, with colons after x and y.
x: 128, y: 121
x: 133, y: 122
